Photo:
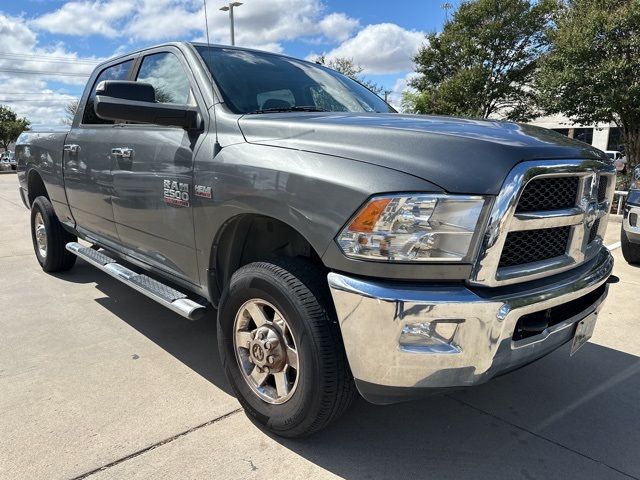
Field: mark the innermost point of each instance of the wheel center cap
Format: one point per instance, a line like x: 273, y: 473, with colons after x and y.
x: 266, y: 350
x: 258, y: 352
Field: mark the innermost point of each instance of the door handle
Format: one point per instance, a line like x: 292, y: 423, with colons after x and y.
x: 71, y: 148
x: 123, y: 152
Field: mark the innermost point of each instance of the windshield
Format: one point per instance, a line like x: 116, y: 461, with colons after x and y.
x: 257, y: 82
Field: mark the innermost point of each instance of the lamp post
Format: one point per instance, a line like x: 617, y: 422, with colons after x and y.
x: 229, y: 8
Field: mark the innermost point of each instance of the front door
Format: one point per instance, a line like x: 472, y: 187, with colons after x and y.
x: 152, y: 169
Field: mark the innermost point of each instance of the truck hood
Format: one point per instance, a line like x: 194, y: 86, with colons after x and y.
x: 459, y: 155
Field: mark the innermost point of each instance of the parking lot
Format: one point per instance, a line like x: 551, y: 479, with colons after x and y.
x: 98, y: 381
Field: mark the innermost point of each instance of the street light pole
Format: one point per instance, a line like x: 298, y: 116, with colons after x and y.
x: 446, y: 7
x: 229, y: 8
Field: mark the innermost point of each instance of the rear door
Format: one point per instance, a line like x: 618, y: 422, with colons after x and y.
x: 153, y: 173
x: 87, y: 161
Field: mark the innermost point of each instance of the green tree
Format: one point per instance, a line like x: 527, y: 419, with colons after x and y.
x: 348, y: 67
x: 483, y: 61
x: 592, y: 71
x: 10, y: 126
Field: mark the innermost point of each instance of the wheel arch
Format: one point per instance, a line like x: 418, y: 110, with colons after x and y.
x: 251, y: 237
x: 35, y: 186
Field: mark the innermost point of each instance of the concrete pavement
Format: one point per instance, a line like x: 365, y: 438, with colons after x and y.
x: 97, y: 381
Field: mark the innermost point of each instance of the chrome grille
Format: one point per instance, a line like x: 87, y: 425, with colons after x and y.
x: 529, y: 246
x: 602, y: 189
x: 552, y: 193
x: 549, y: 217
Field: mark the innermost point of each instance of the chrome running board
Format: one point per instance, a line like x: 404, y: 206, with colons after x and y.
x: 159, y: 292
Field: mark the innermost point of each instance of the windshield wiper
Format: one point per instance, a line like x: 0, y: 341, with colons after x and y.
x: 296, y: 108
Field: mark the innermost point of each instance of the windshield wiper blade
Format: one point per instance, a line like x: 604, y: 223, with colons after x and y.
x: 297, y: 108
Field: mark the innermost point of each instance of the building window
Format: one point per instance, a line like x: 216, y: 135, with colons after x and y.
x: 584, y: 135
x: 563, y: 131
x: 615, y: 139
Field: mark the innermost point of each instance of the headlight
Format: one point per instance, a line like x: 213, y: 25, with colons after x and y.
x: 415, y: 228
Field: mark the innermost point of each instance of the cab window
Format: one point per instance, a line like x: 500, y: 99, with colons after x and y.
x: 165, y: 72
x: 114, y: 72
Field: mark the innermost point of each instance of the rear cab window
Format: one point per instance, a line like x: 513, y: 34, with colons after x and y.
x: 119, y: 71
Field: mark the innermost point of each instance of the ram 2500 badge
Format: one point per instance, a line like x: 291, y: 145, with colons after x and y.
x: 346, y: 247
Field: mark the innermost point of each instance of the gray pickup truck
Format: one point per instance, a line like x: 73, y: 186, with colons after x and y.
x: 345, y: 247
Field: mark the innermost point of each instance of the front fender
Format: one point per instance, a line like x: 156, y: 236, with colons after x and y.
x: 312, y: 193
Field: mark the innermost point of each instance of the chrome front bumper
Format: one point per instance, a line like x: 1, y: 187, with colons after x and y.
x: 416, y: 336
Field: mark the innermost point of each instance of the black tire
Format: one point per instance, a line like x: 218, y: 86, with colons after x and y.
x: 630, y: 251
x: 56, y: 258
x: 325, y: 387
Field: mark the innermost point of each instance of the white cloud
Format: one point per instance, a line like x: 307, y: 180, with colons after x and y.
x: 400, y: 86
x: 22, y: 87
x: 338, y: 26
x: 382, y: 48
x: 258, y: 23
x: 166, y: 19
x: 86, y: 18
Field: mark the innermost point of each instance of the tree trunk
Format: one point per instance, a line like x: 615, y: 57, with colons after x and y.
x: 631, y: 139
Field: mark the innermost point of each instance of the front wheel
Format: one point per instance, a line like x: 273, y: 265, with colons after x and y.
x: 50, y: 238
x: 281, y: 347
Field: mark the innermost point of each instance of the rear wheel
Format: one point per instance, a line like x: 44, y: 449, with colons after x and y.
x: 281, y: 347
x: 49, y: 238
x: 630, y: 251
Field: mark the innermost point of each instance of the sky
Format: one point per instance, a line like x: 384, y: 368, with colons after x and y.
x: 48, y: 48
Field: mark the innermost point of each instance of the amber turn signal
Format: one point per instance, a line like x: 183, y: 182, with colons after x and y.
x: 367, y: 218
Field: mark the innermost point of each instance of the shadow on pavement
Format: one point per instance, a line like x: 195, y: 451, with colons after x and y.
x: 192, y: 343
x: 508, y: 428
x: 560, y: 417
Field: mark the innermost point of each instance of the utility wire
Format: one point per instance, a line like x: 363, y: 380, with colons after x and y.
x: 42, y: 72
x: 50, y: 100
x: 30, y: 57
x: 34, y: 93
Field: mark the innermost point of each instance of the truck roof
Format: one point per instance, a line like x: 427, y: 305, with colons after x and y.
x: 194, y: 44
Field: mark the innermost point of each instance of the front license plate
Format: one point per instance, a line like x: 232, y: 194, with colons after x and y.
x: 584, y: 330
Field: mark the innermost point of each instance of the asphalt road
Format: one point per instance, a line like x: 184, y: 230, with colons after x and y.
x: 97, y: 381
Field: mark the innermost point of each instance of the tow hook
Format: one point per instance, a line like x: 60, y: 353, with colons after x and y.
x: 613, y: 279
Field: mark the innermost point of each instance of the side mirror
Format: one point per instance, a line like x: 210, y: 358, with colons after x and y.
x: 136, y: 102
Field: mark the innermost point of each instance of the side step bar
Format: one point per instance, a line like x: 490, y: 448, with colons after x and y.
x: 161, y: 293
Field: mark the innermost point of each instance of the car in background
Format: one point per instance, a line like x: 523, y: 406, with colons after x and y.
x: 8, y: 158
x: 12, y: 160
x: 618, y: 158
x: 630, y: 235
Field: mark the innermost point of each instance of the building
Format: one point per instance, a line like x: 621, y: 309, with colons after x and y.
x: 602, y: 136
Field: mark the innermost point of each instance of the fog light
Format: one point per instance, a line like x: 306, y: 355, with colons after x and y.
x: 430, y: 337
